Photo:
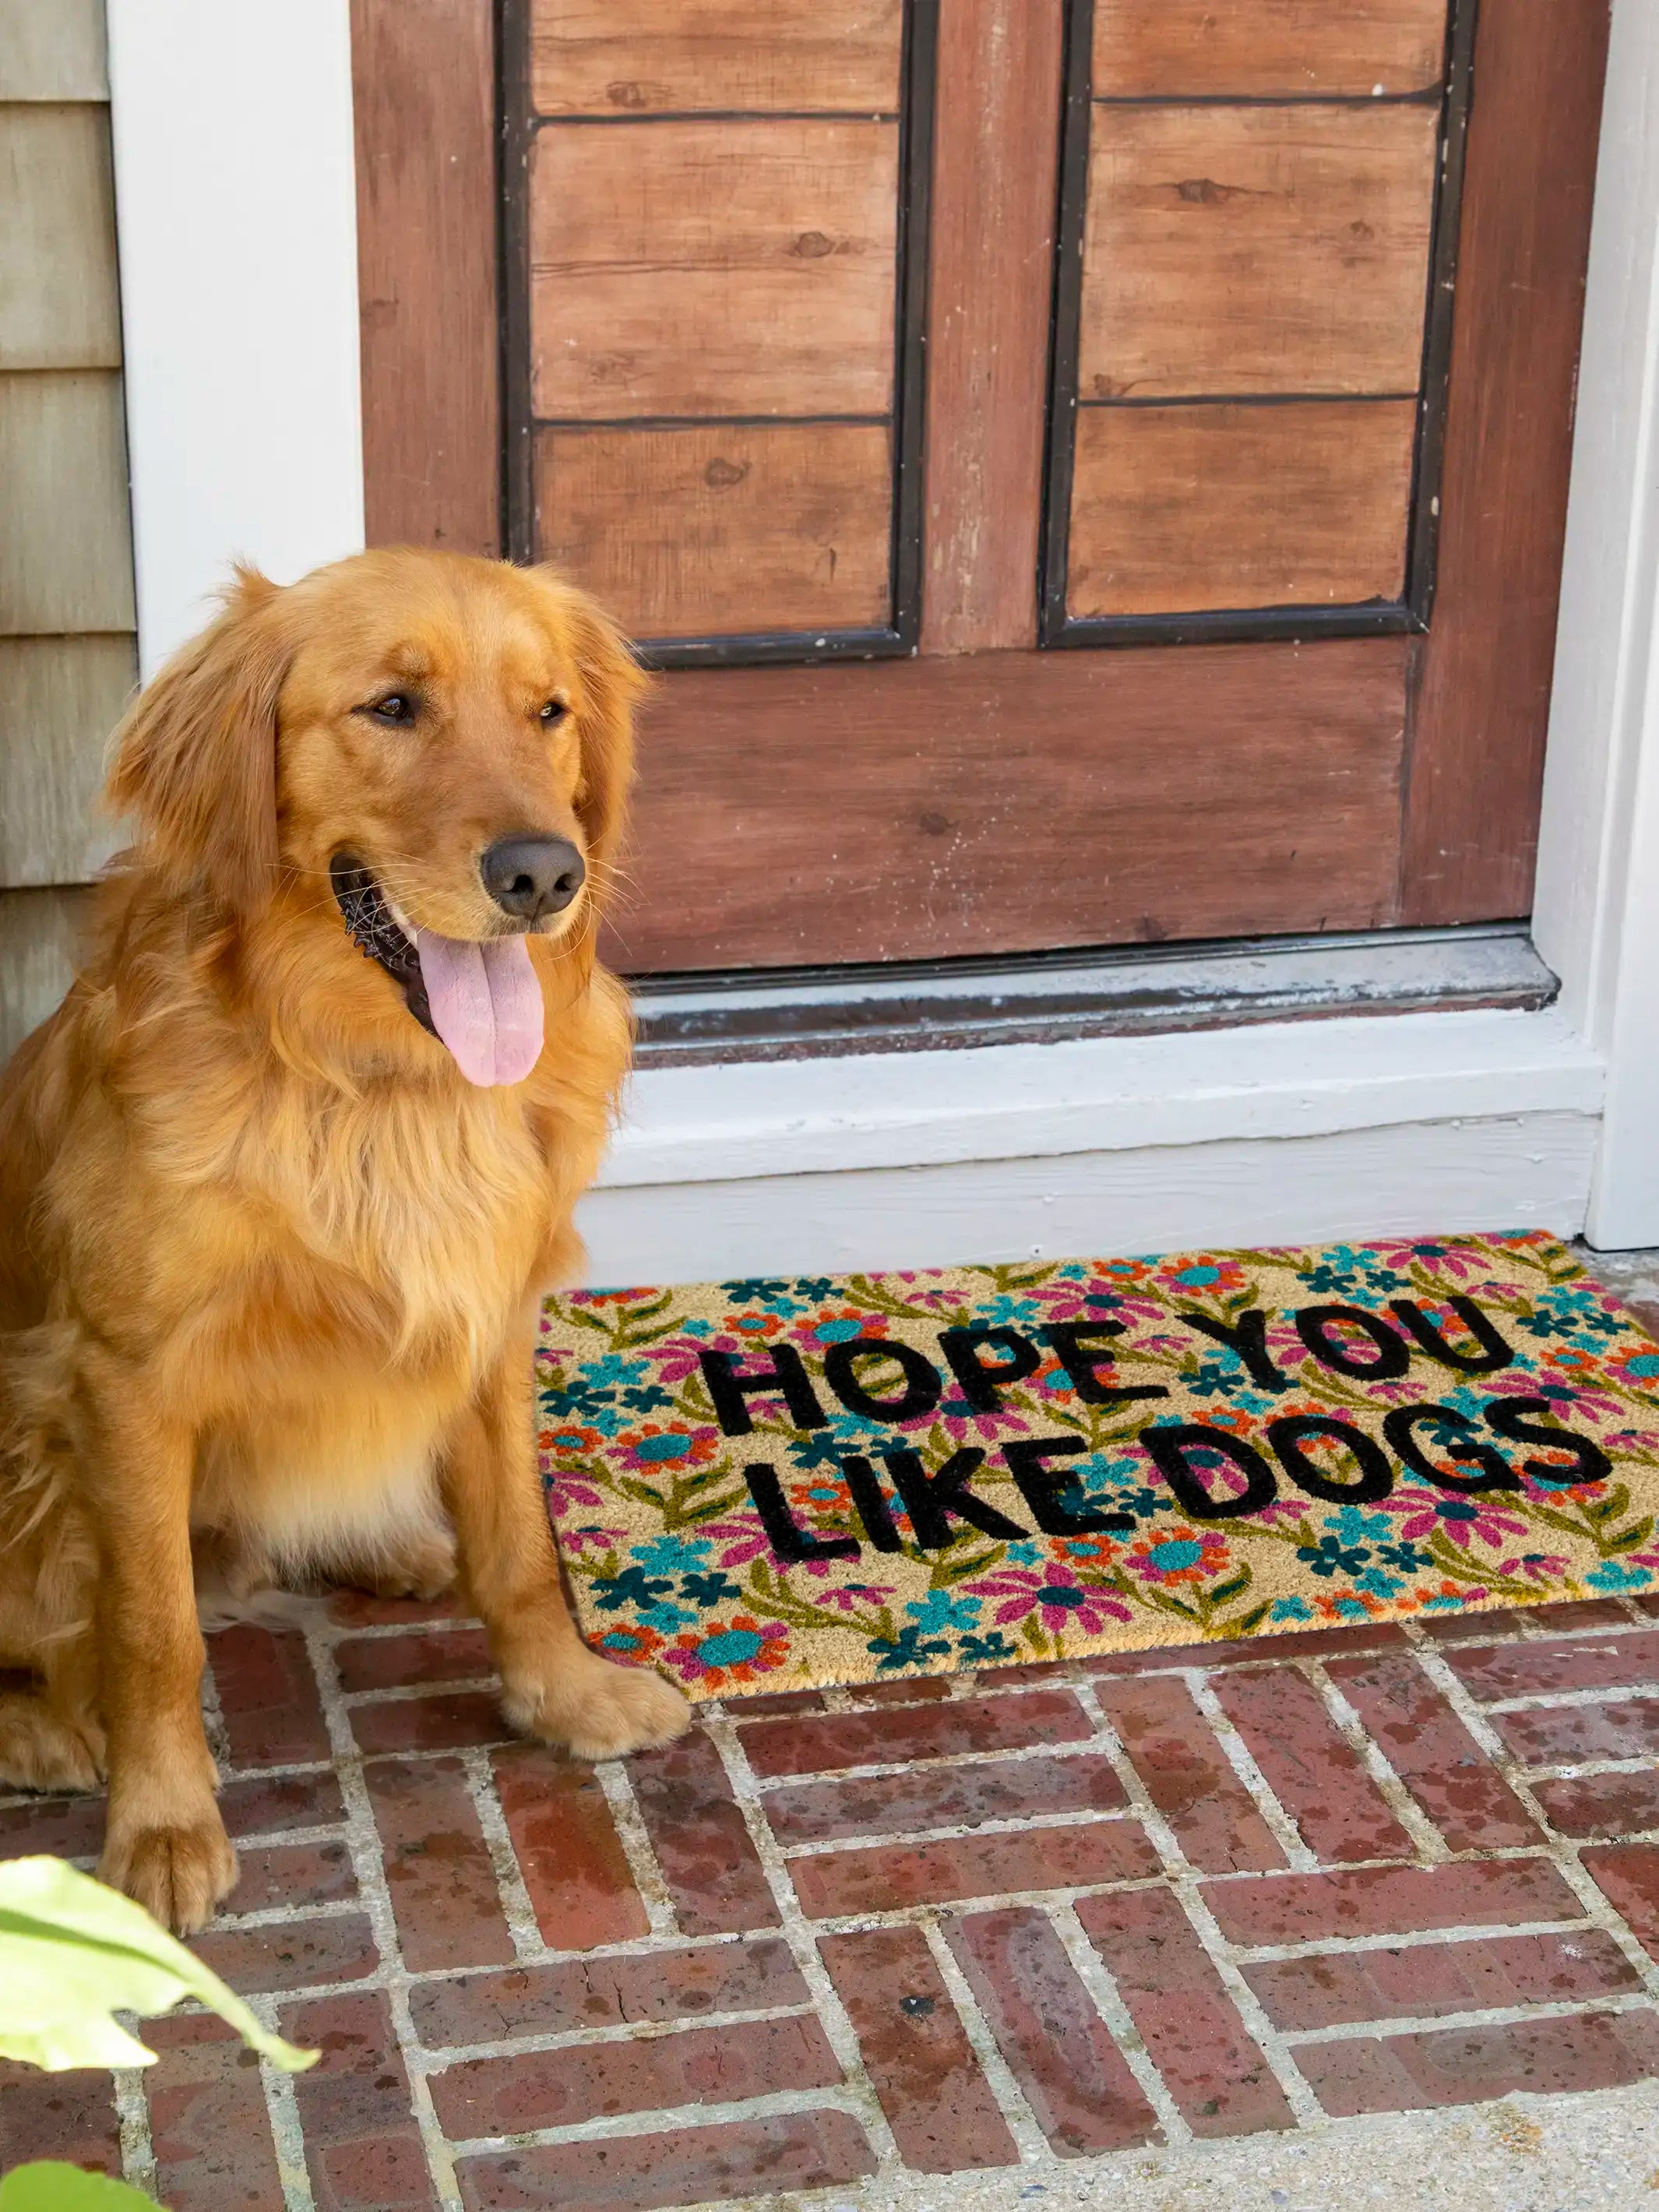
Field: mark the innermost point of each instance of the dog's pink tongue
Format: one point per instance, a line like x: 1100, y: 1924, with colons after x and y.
x: 486, y: 1004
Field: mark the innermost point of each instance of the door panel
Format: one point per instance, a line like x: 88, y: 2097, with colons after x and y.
x: 1233, y: 319
x: 993, y: 801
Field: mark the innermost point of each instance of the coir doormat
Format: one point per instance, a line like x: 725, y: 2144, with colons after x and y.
x: 774, y: 1483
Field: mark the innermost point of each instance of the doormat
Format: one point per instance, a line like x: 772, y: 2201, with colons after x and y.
x: 770, y: 1485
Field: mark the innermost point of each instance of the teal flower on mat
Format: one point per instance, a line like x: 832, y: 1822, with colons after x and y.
x: 1292, y: 1609
x: 670, y: 1555
x: 1614, y: 1575
x: 907, y: 1649
x: 941, y: 1610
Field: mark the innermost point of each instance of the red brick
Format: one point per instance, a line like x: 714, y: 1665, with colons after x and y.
x: 268, y: 1696
x: 765, y: 1703
x: 1211, y: 2064
x: 770, y: 2159
x: 901, y: 1690
x: 555, y: 2000
x: 703, y: 1845
x: 363, y: 2149
x: 438, y: 1868
x: 892, y: 1737
x: 1316, y: 1777
x: 1174, y: 1752
x: 207, y: 2122
x: 397, y: 1663
x: 688, y: 2066
x: 292, y: 1955
x: 458, y: 1720
x: 1602, y: 1804
x: 1574, y: 1612
x: 916, y: 2052
x: 569, y: 1853
x: 943, y: 1797
x: 1562, y: 1736
x: 888, y: 1877
x: 1480, y: 1974
x: 1007, y: 1678
x: 1475, y: 1625
x: 1533, y: 1670
x: 1075, y: 2078
x: 1309, y: 1908
x: 1469, y: 2065
x: 269, y: 1804
x: 67, y: 1828
x: 292, y: 1874
x: 1628, y: 1875
x: 1434, y: 1754
x: 349, y: 1608
x: 69, y: 2115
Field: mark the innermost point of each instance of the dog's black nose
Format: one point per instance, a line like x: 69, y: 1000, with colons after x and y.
x: 529, y: 877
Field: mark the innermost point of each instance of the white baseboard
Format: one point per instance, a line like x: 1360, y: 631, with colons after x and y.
x: 1298, y: 1131
x: 1520, y: 1172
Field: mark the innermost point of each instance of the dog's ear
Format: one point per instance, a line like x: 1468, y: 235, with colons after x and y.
x: 612, y: 682
x: 194, y: 761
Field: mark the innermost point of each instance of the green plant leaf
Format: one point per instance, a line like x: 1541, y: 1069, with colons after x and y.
x: 73, y: 1953
x: 46, y: 2185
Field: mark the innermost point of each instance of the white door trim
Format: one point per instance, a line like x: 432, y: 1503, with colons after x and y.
x: 235, y: 171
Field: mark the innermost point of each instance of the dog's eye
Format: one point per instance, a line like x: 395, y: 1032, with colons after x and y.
x: 397, y: 708
x: 554, y: 711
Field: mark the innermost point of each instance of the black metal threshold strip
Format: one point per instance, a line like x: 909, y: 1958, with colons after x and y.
x: 931, y: 1006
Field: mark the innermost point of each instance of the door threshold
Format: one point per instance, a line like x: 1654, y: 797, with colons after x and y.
x: 804, y: 1013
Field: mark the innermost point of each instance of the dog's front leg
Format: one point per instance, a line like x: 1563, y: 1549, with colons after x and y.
x: 165, y: 1843
x: 552, y: 1686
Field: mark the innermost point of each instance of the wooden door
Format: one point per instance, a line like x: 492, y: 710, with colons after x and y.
x: 1089, y: 473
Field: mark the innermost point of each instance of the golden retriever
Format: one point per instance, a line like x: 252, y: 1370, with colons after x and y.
x: 283, y: 1179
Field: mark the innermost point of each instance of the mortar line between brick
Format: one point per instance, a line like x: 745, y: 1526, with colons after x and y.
x: 439, y: 2057
x: 1022, y: 2122
x: 1599, y: 1908
x: 1430, y: 1845
x: 877, y: 1769
x: 1410, y: 1939
x: 516, y: 1908
x: 1548, y: 1701
x: 638, y: 1849
x: 1182, y: 1879
x: 799, y: 1935
x: 1579, y: 1769
x: 1240, y: 1757
x: 1097, y: 1978
x: 1013, y: 1824
x: 669, y: 2119
x: 282, y: 2113
x: 1377, y: 2030
x: 367, y: 1859
x: 132, y: 2112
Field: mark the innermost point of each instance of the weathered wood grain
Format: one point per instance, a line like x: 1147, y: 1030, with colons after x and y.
x: 714, y: 267
x: 643, y: 56
x: 1003, y: 802
x: 59, y: 305
x: 53, y: 49
x: 65, y: 535
x: 996, y: 127
x: 722, y: 528
x: 1482, y: 702
x: 1266, y: 49
x: 1177, y: 509
x: 40, y: 945
x: 424, y: 98
x: 1235, y: 250
x: 59, y: 699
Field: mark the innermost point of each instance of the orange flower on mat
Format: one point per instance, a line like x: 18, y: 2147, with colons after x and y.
x: 740, y: 1649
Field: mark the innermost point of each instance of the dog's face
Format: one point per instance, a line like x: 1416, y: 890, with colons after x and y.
x: 441, y: 744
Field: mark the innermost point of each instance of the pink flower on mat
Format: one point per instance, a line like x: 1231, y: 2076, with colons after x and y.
x: 744, y: 1540
x: 1057, y: 1597
x: 1536, y: 1566
x: 578, y: 1539
x: 1462, y: 1517
x: 1178, y: 1554
x: 735, y: 1650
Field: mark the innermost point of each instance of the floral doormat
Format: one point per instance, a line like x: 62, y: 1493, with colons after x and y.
x: 776, y: 1483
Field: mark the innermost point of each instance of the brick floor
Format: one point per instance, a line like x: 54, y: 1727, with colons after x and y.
x: 1046, y: 1913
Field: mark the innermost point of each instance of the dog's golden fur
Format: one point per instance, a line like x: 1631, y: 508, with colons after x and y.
x: 269, y: 1264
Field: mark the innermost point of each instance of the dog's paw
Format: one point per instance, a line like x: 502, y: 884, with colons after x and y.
x: 39, y: 1751
x: 596, y: 1710
x: 180, y: 1874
